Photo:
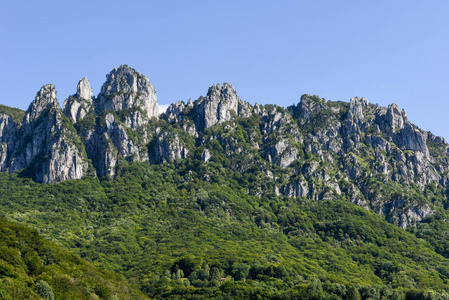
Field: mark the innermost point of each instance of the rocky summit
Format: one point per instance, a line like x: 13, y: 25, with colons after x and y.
x: 45, y: 145
x: 317, y: 149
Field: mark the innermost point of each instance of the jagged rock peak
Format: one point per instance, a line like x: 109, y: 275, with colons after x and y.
x: 76, y: 107
x: 45, y: 98
x: 173, y: 112
x: 220, y: 105
x: 84, y: 90
x: 126, y: 88
x: 46, y: 145
x: 227, y: 91
x: 396, y: 118
x: 310, y: 105
x: 357, y: 105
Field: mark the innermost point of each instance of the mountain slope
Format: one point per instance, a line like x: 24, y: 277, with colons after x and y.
x: 27, y: 259
x: 155, y: 220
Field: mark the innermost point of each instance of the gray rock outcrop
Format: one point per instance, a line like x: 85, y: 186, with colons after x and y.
x: 77, y: 106
x: 123, y: 109
x: 169, y: 148
x: 220, y: 105
x: 8, y: 133
x: 126, y: 146
x: 48, y: 146
x: 127, y: 89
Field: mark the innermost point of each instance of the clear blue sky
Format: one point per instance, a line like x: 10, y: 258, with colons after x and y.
x: 272, y: 52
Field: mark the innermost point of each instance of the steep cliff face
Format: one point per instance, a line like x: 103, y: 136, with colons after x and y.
x: 326, y: 149
x: 281, y: 136
x: 220, y: 105
x: 372, y: 146
x: 77, y: 106
x: 46, y: 144
x: 169, y: 148
x: 127, y: 89
x: 118, y: 127
x: 127, y: 147
x: 8, y: 138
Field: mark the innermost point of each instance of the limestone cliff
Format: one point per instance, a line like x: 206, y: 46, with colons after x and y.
x: 121, y: 112
x: 220, y: 105
x: 47, y: 145
x: 77, y: 106
x: 127, y: 89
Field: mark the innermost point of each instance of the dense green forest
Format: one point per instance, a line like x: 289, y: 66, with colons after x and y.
x: 33, y: 268
x: 174, y: 235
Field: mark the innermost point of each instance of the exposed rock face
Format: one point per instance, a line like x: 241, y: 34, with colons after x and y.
x: 404, y: 213
x: 126, y: 147
x: 220, y: 105
x: 125, y: 88
x: 169, y: 148
x: 205, y: 156
x: 8, y: 132
x: 298, y: 189
x: 396, y: 118
x: 123, y: 109
x: 47, y: 145
x: 77, y: 106
x: 356, y: 107
x: 277, y: 125
x: 336, y: 134
x: 402, y: 132
x: 370, y: 142
x: 173, y: 112
x: 309, y: 106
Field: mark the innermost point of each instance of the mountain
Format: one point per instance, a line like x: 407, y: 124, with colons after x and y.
x: 317, y: 149
x: 280, y: 201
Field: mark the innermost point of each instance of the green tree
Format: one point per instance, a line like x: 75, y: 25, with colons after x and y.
x: 205, y: 273
x: 3, y: 292
x: 215, y: 274
x: 44, y: 290
x: 240, y: 271
x: 178, y: 274
x: 315, y: 288
x: 353, y: 294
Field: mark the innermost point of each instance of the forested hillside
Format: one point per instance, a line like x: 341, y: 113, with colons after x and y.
x: 33, y: 268
x: 173, y: 234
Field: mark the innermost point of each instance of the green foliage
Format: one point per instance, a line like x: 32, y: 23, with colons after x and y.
x: 436, y: 149
x: 88, y: 122
x: 15, y: 113
x: 44, y: 290
x: 175, y: 234
x: 3, y: 292
x: 240, y: 271
x: 353, y: 294
x: 32, y: 266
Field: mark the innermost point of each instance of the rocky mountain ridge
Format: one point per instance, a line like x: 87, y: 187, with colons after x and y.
x: 318, y: 149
